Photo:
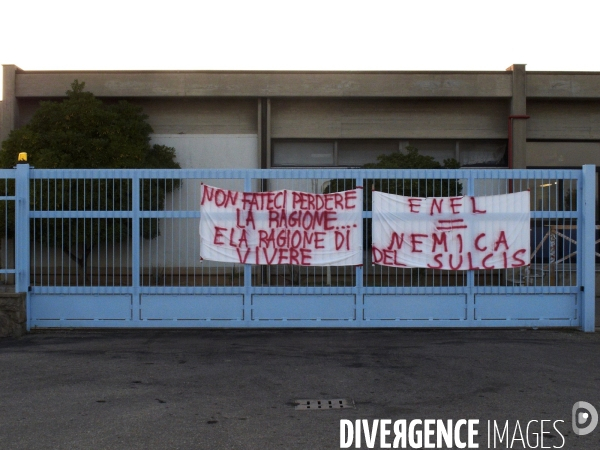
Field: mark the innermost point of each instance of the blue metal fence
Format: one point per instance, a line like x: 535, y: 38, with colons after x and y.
x: 120, y: 248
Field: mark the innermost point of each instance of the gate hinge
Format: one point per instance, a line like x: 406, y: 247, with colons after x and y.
x: 582, y: 289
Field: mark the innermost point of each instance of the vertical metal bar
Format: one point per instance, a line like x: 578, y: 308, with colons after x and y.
x: 359, y: 285
x: 552, y: 259
x: 55, y: 233
x: 135, y: 246
x: 46, y: 270
x: 172, y: 223
x: 66, y: 243
x: 5, y: 239
x: 471, y: 303
x: 33, y: 224
x: 587, y: 211
x: 84, y: 220
x: 22, y: 250
x: 118, y: 207
x: 247, y: 267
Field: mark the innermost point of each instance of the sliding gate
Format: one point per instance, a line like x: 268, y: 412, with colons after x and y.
x: 120, y: 248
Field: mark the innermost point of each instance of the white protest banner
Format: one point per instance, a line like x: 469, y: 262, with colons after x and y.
x: 281, y: 227
x: 451, y: 233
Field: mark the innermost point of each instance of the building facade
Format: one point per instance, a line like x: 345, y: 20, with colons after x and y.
x: 250, y: 119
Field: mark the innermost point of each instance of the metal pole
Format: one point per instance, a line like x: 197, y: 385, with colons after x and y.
x: 22, y: 245
x: 136, y: 191
x: 588, y: 248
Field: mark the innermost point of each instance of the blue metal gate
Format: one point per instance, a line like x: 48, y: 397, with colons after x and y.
x: 120, y: 248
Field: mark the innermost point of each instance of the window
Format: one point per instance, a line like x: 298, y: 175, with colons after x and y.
x: 303, y: 154
x: 358, y: 152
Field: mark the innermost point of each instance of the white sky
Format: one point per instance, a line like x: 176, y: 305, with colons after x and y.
x: 300, y: 35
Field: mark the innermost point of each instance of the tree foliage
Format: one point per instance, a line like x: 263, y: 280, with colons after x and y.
x: 83, y: 132
x: 411, y: 159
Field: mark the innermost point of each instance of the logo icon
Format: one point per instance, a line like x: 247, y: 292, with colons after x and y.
x: 585, y: 418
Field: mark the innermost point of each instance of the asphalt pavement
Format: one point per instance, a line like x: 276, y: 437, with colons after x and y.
x: 240, y: 389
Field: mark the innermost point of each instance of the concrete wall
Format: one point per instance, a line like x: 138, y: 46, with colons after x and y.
x: 269, y: 84
x: 183, y: 116
x: 562, y: 154
x: 565, y: 85
x: 13, y: 315
x: 9, y: 105
x: 205, y: 151
x: 389, y: 118
x: 564, y: 120
x: 194, y: 116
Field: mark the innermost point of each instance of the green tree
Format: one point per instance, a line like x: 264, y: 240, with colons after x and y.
x: 84, y: 132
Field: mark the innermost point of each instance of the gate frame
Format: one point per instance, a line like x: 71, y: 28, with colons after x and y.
x: 584, y: 292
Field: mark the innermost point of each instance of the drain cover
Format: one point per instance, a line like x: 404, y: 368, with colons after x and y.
x: 336, y: 403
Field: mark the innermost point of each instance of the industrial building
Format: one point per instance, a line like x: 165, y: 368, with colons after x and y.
x: 252, y: 119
